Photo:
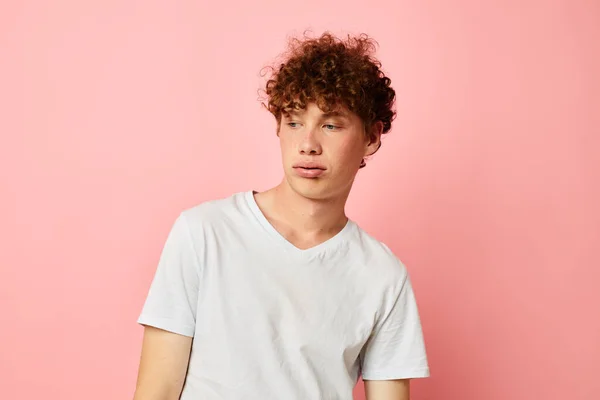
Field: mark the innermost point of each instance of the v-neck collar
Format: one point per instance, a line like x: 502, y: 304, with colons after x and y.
x: 286, y: 244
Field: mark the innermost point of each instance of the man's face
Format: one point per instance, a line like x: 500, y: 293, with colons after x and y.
x: 321, y: 152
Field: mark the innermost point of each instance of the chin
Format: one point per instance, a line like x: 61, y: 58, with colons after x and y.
x: 313, y: 189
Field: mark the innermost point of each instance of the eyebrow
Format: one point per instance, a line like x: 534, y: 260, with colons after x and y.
x: 329, y: 114
x: 335, y: 114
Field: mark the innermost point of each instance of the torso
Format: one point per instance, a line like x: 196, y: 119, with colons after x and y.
x: 276, y: 321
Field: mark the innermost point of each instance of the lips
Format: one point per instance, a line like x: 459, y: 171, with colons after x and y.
x: 309, y: 165
x: 309, y: 169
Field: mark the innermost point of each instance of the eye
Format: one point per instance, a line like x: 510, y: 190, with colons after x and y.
x: 330, y: 127
x: 292, y: 124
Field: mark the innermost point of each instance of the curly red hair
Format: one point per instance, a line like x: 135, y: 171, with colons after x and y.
x: 332, y: 72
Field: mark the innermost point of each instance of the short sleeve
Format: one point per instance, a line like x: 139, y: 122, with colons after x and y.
x: 172, y: 298
x: 396, y: 348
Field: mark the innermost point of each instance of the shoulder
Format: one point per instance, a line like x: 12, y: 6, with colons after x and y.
x: 379, y: 261
x: 204, y: 225
x: 214, y: 212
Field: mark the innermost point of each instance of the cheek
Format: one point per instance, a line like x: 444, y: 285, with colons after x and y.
x: 286, y: 144
x: 348, y: 151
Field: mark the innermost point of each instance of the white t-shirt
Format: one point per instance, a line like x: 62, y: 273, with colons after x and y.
x: 272, y: 321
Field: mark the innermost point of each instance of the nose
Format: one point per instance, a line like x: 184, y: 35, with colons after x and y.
x: 310, y: 143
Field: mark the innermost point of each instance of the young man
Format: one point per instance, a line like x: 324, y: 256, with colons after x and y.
x: 278, y: 295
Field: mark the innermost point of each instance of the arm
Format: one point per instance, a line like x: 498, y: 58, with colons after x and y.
x: 398, y: 389
x: 163, y: 365
x: 169, y: 319
x: 395, y: 353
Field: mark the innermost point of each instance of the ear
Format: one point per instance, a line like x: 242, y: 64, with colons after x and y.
x: 374, y: 138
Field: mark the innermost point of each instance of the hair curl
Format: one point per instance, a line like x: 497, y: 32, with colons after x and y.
x: 332, y: 72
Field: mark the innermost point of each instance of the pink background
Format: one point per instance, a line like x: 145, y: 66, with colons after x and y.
x: 115, y: 115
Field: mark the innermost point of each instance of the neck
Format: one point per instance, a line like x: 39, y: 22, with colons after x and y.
x: 303, y: 215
